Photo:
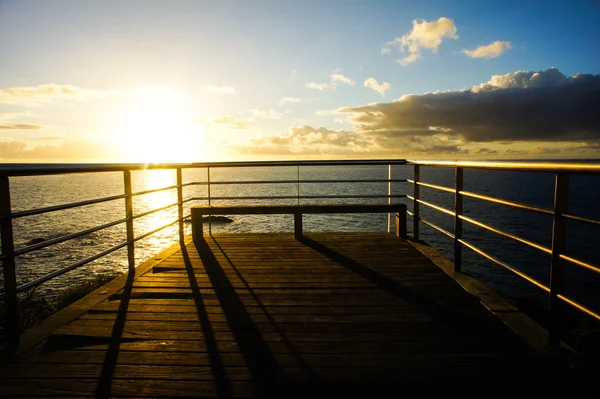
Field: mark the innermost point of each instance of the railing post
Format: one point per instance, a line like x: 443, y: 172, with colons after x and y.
x: 180, y: 205
x: 8, y: 264
x: 389, y: 197
x: 561, y: 200
x: 298, y: 180
x: 129, y: 217
x: 458, y: 226
x: 209, y: 218
x: 416, y: 178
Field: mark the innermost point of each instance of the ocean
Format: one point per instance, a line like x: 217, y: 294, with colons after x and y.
x: 525, y: 187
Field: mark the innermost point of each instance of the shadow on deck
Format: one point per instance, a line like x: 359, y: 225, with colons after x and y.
x: 266, y: 315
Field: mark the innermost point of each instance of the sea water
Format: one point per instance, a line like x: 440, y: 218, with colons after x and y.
x: 532, y: 188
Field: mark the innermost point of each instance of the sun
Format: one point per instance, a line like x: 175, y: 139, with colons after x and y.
x: 159, y: 125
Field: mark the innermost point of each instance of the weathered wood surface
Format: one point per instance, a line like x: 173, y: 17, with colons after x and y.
x: 262, y: 315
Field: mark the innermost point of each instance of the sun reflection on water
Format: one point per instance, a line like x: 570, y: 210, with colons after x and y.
x: 155, y: 179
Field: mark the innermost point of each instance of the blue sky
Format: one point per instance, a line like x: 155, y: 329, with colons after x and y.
x: 215, y: 75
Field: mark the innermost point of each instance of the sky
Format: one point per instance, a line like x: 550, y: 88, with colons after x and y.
x: 208, y: 80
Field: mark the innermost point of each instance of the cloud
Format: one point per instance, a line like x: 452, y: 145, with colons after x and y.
x: 220, y: 89
x: 338, y: 78
x: 20, y: 126
x: 32, y: 95
x: 385, y: 50
x: 335, y: 79
x: 231, y: 123
x: 380, y: 88
x: 524, y: 106
x: 286, y: 100
x: 308, y: 140
x: 67, y: 151
x: 317, y: 86
x: 424, y: 35
x: 492, y: 50
x: 263, y: 114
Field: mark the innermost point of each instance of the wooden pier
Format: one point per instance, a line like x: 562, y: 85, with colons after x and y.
x: 254, y: 315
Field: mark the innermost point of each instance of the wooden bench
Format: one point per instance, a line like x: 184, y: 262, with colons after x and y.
x: 198, y: 212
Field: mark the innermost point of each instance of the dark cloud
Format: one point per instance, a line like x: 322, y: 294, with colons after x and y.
x: 524, y: 106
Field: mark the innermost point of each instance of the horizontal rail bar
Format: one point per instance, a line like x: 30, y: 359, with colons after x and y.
x: 508, y: 235
x: 429, y: 204
x: 154, y: 190
x: 581, y: 219
x: 235, y: 182
x: 187, y: 200
x: 39, y: 169
x: 435, y: 186
x: 38, y: 211
x: 64, y: 270
x: 150, y: 212
x: 64, y: 238
x: 505, y: 202
x: 552, y: 167
x: 436, y: 227
x: 579, y: 307
x: 141, y: 237
x: 583, y: 264
x: 504, y: 265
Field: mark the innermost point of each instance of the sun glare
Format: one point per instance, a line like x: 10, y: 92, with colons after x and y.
x: 159, y: 125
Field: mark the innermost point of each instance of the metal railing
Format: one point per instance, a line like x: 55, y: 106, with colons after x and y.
x: 559, y: 213
x: 11, y: 288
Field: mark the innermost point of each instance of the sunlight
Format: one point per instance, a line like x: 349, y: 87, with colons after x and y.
x: 155, y: 179
x: 159, y: 125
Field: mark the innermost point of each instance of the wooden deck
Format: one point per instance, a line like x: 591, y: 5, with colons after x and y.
x: 267, y: 315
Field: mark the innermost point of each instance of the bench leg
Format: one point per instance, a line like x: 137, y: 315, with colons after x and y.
x: 197, y: 227
x: 401, y: 224
x: 298, y: 225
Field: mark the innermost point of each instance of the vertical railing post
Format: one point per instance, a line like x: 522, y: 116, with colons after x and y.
x: 8, y: 264
x: 389, y: 197
x: 180, y: 205
x: 561, y: 200
x: 298, y: 180
x: 209, y: 216
x: 129, y: 222
x: 458, y: 226
x: 416, y: 178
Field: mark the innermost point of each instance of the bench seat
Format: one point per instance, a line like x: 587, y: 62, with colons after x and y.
x: 198, y: 212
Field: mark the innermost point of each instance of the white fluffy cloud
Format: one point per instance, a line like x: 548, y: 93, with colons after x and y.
x: 230, y: 123
x: 286, y: 100
x: 317, y: 86
x: 32, y: 95
x: 424, y: 35
x: 335, y: 79
x: 338, y: 78
x: 380, y: 88
x: 492, y: 50
x: 220, y: 89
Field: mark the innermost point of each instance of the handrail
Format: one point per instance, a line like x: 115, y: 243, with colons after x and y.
x: 559, y: 214
x: 553, y: 167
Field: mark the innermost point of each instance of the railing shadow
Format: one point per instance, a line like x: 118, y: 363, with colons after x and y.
x: 222, y: 383
x: 103, y: 388
x: 264, y: 369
